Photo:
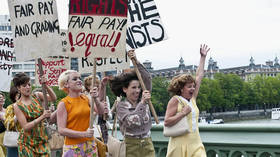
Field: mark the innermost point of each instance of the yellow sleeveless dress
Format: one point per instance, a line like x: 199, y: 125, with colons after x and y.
x: 189, y: 144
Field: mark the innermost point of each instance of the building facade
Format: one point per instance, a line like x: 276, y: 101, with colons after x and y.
x: 5, y: 26
x: 171, y: 72
x: 248, y: 72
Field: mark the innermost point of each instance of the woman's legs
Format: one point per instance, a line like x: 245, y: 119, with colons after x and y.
x: 12, y: 152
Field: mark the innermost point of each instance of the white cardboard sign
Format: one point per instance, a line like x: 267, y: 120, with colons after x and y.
x: 6, y: 62
x: 35, y: 28
x: 144, y: 24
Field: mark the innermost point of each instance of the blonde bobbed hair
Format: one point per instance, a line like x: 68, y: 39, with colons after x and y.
x: 63, y: 78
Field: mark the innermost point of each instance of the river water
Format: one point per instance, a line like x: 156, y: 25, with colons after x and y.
x: 255, y: 121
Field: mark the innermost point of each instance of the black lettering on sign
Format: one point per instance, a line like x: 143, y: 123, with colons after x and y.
x: 45, y: 7
x: 144, y: 36
x: 23, y: 11
x: 6, y: 55
x: 37, y: 28
x: 6, y: 67
x: 103, y: 61
x: 6, y: 42
x: 21, y: 30
x: 141, y: 10
x: 80, y: 22
x: 85, y: 62
x: 113, y: 23
x: 45, y: 26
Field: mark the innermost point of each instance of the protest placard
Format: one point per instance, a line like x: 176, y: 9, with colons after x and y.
x: 103, y: 64
x: 35, y: 28
x: 64, y: 39
x: 52, y: 68
x: 144, y: 26
x: 6, y: 61
x: 97, y: 28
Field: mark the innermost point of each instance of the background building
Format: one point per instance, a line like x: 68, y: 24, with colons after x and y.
x: 249, y: 72
x: 5, y: 26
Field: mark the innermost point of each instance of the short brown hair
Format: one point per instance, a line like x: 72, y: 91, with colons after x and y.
x: 88, y: 82
x: 178, y: 82
x: 20, y: 79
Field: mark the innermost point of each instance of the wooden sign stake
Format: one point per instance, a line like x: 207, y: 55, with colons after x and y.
x: 144, y: 88
x: 45, y: 104
x: 92, y: 102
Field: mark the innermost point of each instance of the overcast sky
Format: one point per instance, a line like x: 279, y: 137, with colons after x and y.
x: 235, y: 30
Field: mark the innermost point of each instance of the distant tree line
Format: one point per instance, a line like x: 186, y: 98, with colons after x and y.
x: 226, y: 92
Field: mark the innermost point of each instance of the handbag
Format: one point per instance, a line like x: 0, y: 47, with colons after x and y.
x: 56, y: 141
x: 101, y: 146
x: 116, y: 148
x: 10, y: 138
x: 180, y: 128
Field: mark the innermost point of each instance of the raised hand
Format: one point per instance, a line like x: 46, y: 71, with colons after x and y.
x: 105, y: 80
x: 43, y: 79
x: 204, y: 50
x: 146, y: 95
x: 47, y: 113
x: 131, y: 54
x: 94, y: 92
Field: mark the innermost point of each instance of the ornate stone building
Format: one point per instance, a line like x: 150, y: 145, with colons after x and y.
x: 170, y: 72
x: 270, y: 68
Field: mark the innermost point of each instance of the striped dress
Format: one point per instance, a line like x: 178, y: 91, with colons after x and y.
x: 33, y: 143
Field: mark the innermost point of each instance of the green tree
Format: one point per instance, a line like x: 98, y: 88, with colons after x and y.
x: 259, y: 88
x: 231, y: 85
x: 248, y: 96
x: 210, y: 95
x: 202, y: 98
x: 160, y: 96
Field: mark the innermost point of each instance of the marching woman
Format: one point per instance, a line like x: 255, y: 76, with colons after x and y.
x: 133, y: 112
x: 2, y: 126
x: 11, y: 122
x: 99, y: 120
x: 33, y: 138
x: 185, y: 90
x: 73, y: 116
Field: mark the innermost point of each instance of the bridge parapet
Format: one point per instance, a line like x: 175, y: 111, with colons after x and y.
x: 231, y: 140
x: 226, y: 140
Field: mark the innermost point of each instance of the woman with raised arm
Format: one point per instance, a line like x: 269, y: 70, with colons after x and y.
x: 73, y: 116
x: 33, y: 138
x: 99, y: 121
x: 133, y: 111
x: 184, y: 89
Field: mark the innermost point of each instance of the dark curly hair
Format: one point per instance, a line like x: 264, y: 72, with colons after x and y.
x: 178, y: 82
x: 13, y: 93
x: 20, y: 79
x: 122, y: 81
